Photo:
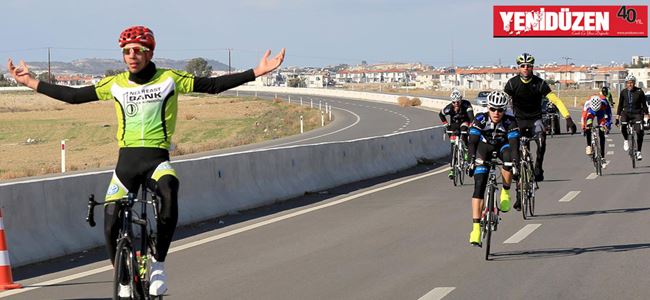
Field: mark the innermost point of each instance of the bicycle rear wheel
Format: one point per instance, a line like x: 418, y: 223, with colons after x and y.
x: 599, y: 158
x: 632, y: 144
x: 125, y: 269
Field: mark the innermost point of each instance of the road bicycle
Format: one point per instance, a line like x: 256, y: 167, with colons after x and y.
x: 490, y: 216
x: 597, y: 153
x: 526, y: 185
x: 133, y: 252
x: 458, y: 163
x: 631, y: 140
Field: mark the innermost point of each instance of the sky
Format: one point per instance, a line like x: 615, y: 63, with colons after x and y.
x: 315, y: 33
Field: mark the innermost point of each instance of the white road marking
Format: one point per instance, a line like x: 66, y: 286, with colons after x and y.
x: 569, y: 196
x: 610, y: 140
x: 612, y: 145
x: 592, y: 176
x: 437, y: 293
x: 227, y: 234
x: 522, y: 234
x: 610, y: 153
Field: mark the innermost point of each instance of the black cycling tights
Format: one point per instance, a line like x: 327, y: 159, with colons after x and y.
x: 134, y: 166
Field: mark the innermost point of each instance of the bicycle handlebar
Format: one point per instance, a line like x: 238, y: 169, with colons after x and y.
x: 90, y: 217
x: 128, y: 200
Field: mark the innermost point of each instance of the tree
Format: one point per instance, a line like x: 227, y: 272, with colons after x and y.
x: 296, y: 82
x: 199, y: 67
x: 45, y: 77
x: 112, y: 72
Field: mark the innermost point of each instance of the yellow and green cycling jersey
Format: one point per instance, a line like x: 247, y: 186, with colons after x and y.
x: 146, y: 113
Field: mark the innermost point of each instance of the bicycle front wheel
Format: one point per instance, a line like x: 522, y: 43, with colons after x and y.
x: 632, y: 142
x: 489, y: 221
x: 125, y: 269
x: 523, y: 192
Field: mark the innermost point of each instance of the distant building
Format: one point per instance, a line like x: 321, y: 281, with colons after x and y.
x: 637, y: 60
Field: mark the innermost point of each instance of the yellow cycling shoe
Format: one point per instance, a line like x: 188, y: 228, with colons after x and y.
x: 504, y: 205
x: 475, y: 235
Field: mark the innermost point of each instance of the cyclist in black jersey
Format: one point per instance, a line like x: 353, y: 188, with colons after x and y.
x: 460, y: 114
x: 527, y: 91
x: 632, y: 107
x: 149, y: 94
x: 492, y: 131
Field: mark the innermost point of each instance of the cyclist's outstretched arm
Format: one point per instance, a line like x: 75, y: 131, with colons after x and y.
x: 64, y: 93
x: 214, y: 85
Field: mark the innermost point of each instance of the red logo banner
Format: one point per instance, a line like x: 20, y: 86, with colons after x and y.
x: 570, y: 21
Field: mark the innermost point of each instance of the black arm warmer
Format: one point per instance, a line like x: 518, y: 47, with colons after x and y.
x: 213, y: 85
x: 473, y: 144
x: 68, y: 94
x: 442, y: 117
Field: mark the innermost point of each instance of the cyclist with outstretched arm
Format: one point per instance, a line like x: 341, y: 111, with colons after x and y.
x: 631, y: 108
x: 527, y: 91
x: 492, y: 131
x: 146, y: 102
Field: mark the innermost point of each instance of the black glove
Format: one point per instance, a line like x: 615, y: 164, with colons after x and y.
x: 570, y: 126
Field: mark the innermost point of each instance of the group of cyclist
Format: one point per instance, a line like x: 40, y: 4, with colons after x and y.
x: 498, y: 131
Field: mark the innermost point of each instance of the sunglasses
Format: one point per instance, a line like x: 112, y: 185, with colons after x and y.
x: 499, y: 110
x: 526, y: 65
x: 136, y: 50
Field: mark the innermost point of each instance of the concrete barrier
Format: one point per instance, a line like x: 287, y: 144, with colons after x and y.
x: 45, y: 218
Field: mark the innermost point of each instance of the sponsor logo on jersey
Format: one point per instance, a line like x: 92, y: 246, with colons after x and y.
x: 112, y: 189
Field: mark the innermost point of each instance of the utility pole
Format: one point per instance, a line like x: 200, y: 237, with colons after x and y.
x: 229, y: 65
x: 49, y: 67
x: 566, y: 60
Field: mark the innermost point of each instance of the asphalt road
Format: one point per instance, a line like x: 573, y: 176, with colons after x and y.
x: 405, y: 236
x: 352, y: 119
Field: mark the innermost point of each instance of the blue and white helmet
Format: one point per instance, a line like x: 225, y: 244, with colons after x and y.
x: 630, y: 77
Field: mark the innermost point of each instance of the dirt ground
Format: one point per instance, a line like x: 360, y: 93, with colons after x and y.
x: 33, y: 125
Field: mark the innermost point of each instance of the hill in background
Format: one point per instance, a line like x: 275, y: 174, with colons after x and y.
x: 98, y: 66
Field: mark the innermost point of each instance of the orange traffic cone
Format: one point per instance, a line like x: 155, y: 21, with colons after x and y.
x: 6, y: 281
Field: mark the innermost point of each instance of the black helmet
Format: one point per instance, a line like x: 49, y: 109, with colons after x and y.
x: 604, y: 90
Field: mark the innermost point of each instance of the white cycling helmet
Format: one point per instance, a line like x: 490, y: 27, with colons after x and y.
x: 498, y: 99
x: 456, y: 95
x: 595, y: 103
x: 630, y: 77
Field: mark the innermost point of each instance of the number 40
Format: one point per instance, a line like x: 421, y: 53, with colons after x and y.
x: 627, y: 14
